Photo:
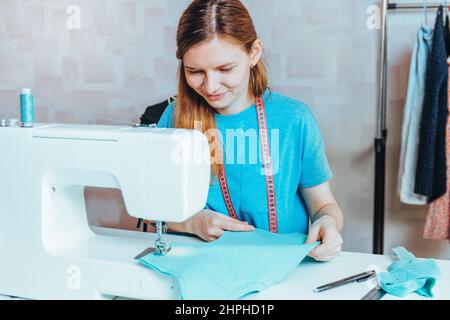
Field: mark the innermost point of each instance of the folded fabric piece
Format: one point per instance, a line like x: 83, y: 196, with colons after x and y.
x: 235, y: 265
x: 408, y: 275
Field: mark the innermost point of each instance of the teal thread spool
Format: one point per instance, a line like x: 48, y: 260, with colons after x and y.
x: 27, y: 108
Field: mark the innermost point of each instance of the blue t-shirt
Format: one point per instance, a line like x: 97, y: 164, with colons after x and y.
x: 298, y: 157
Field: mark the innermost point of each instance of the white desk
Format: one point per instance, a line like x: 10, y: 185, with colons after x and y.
x: 311, y: 274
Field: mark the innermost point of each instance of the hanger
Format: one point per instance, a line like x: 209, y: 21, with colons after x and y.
x: 446, y: 11
x: 425, y: 12
x: 171, y: 99
x: 445, y: 5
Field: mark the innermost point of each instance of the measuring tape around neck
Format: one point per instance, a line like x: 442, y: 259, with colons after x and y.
x: 268, y: 171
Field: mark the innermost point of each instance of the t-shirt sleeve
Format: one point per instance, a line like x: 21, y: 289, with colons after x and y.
x: 166, y: 120
x: 315, y: 169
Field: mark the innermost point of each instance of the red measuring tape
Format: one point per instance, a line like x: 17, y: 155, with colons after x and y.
x: 268, y: 170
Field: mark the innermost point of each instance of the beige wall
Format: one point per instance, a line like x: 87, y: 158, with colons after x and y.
x: 123, y: 59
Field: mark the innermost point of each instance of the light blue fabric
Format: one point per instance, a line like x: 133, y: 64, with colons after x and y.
x: 299, y: 162
x: 412, y: 115
x: 408, y: 275
x: 235, y: 265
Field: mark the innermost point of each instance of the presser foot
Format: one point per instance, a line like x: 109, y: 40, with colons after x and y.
x: 160, y: 248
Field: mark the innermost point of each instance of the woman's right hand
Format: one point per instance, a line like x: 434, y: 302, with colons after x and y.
x: 210, y: 225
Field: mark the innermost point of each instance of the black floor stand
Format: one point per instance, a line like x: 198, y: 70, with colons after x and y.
x: 379, y: 192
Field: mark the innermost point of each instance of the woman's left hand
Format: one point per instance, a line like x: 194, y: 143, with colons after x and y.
x: 325, y: 230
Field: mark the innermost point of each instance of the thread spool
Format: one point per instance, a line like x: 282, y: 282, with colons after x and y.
x: 27, y: 108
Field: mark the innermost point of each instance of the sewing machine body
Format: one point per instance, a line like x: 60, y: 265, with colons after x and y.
x: 48, y: 249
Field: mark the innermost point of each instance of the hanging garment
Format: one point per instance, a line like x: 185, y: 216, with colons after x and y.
x: 431, y: 172
x: 235, y: 265
x: 411, y: 118
x: 447, y: 34
x: 437, y: 225
x: 154, y: 112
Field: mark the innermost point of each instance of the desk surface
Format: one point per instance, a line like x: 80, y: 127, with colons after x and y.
x: 311, y: 274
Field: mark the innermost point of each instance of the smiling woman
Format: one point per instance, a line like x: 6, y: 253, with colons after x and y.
x: 223, y: 87
x: 224, y: 76
x: 220, y: 66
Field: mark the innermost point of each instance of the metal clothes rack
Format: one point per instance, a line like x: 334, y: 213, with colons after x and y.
x: 382, y: 132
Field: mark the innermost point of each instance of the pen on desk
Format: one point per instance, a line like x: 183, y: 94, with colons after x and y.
x: 357, y: 277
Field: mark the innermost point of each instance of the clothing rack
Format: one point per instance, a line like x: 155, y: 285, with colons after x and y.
x: 382, y: 132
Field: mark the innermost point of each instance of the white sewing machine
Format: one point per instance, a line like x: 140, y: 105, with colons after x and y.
x: 48, y: 250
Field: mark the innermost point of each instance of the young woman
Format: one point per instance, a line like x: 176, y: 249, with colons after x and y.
x: 276, y: 176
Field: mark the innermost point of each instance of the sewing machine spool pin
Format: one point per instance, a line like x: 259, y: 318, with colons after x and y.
x: 161, y: 248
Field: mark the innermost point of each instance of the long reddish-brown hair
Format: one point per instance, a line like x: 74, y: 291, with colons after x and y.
x: 200, y: 22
